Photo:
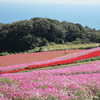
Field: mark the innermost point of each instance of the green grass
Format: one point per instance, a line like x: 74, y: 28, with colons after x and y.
x: 88, y: 59
x: 69, y: 46
x: 6, y: 80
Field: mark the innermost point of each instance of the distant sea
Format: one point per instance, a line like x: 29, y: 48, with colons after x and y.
x: 86, y: 15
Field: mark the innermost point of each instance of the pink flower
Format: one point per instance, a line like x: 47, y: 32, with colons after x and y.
x: 73, y: 86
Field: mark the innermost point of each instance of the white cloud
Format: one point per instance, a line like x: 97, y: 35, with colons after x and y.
x: 86, y: 2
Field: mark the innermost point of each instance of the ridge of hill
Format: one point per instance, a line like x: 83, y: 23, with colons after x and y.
x: 27, y: 34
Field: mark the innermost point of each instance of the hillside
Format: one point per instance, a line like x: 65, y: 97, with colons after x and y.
x: 27, y: 34
x: 63, y: 60
x: 63, y: 82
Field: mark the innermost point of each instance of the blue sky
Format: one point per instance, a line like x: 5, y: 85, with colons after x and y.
x: 85, y: 12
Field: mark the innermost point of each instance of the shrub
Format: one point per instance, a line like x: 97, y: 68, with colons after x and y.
x: 52, y: 43
x: 4, y: 53
x: 77, y: 41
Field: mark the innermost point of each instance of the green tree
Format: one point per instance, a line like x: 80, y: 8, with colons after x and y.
x: 77, y: 41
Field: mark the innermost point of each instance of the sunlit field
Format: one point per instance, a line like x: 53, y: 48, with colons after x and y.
x: 69, y: 82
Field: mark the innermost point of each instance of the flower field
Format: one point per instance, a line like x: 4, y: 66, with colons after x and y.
x: 19, y: 59
x: 81, y: 82
x: 68, y: 59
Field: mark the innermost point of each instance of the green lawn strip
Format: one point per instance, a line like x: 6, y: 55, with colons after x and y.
x: 88, y: 59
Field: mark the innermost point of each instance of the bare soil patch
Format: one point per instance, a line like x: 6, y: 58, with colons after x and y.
x: 32, y: 57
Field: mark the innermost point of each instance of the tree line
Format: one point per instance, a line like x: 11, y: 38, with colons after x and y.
x: 28, y: 34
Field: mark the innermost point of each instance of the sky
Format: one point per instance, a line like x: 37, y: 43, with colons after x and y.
x: 89, y: 2
x: 84, y: 12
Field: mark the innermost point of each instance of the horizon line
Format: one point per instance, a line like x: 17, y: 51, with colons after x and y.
x: 71, y: 2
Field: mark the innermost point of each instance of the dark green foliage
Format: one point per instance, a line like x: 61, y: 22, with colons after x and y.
x: 1, y: 25
x: 91, y: 35
x: 73, y: 31
x: 27, y: 34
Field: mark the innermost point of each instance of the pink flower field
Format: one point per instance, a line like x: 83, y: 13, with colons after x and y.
x: 80, y: 82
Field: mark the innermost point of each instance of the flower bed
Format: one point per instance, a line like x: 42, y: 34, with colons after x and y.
x: 69, y: 61
x: 71, y: 83
x: 74, y: 55
x: 62, y: 62
x: 55, y: 63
